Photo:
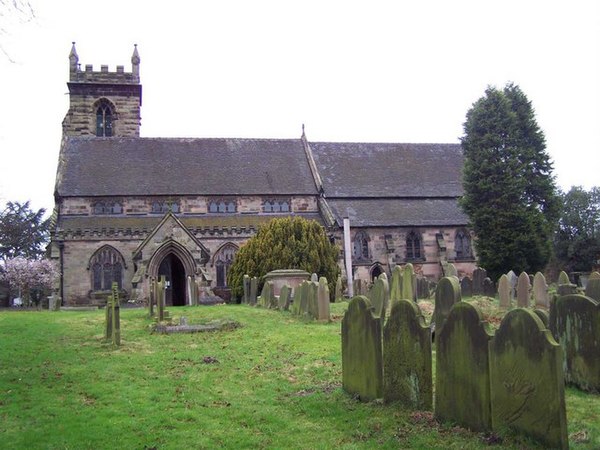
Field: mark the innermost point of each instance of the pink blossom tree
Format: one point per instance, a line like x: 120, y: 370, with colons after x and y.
x: 27, y: 275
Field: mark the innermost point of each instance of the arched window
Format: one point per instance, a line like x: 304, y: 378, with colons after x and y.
x: 360, y: 247
x: 413, y: 246
x: 222, y: 206
x: 462, y: 245
x: 223, y: 260
x: 106, y: 266
x: 104, y: 119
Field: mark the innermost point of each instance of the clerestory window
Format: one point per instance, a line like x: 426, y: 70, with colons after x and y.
x: 107, y: 207
x: 271, y: 205
x: 162, y: 207
x: 222, y: 206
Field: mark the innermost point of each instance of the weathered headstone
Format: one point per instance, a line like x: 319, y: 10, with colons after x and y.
x: 513, y: 279
x: 423, y: 288
x: 408, y: 288
x: 447, y: 293
x: 594, y: 276
x: 253, y: 291
x: 284, y: 298
x: 527, y: 380
x: 313, y: 301
x: 152, y: 297
x: 504, y: 292
x: 450, y: 270
x: 396, y: 285
x: 523, y: 287
x: 592, y: 289
x: 407, y: 357
x: 575, y: 322
x: 543, y: 315
x: 563, y: 278
x: 362, y: 359
x: 462, y: 384
x: 379, y: 297
x: 314, y: 278
x: 113, y: 316
x: 540, y: 291
x: 246, y: 283
x: 489, y: 289
x: 479, y: 275
x: 339, y: 290
x: 466, y: 287
x: 161, y: 298
x: 323, y: 300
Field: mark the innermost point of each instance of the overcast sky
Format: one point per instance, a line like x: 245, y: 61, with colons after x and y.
x: 371, y: 71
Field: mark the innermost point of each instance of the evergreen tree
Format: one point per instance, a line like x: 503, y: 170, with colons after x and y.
x: 23, y: 232
x: 286, y: 243
x: 509, y: 191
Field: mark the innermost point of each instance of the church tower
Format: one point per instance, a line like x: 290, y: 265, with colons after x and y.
x: 103, y: 104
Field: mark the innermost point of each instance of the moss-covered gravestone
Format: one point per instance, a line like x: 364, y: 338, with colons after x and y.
x: 479, y: 275
x: 450, y: 270
x: 594, y: 276
x: 284, y: 297
x: 544, y: 316
x: 462, y: 384
x: 407, y: 367
x: 408, y: 279
x: 527, y: 382
x: 339, y: 290
x: 362, y: 360
x: 447, y: 293
x: 592, y: 290
x: 313, y: 300
x: 246, y: 284
x: 379, y: 296
x: 540, y: 291
x: 575, y: 323
x: 323, y: 313
x: 466, y: 287
x: 396, y: 285
x: 565, y: 287
x: 523, y: 288
x: 253, y: 291
x: 267, y: 296
x: 152, y: 297
x: 504, y: 292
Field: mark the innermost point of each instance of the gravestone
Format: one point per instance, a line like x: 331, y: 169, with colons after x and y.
x: 540, y: 291
x: 396, y: 285
x: 594, y: 276
x: 113, y: 316
x: 462, y: 384
x: 523, y: 287
x: 504, y: 292
x: 466, y: 287
x: 298, y: 293
x: 565, y: 287
x: 592, y: 288
x: 246, y: 283
x: 284, y: 298
x: 408, y: 287
x: 513, y: 279
x: 362, y: 359
x: 407, y: 368
x: 575, y: 323
x: 339, y: 290
x: 161, y: 294
x: 423, y: 288
x: 489, y: 290
x: 304, y: 298
x: 152, y: 297
x: 253, y: 291
x: 359, y: 287
x: 527, y: 380
x: 450, y: 270
x: 267, y: 297
x: 314, y: 278
x: 447, y: 293
x: 313, y: 301
x: 479, y: 275
x: 323, y: 300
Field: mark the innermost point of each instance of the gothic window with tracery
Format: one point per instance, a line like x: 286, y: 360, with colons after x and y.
x: 223, y: 260
x: 106, y: 266
x: 360, y: 247
x: 462, y: 245
x: 104, y: 119
x: 413, y: 246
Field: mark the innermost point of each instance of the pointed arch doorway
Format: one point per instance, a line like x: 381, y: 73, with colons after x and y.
x: 172, y: 268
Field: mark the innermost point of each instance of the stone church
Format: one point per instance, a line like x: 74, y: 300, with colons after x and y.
x: 128, y: 208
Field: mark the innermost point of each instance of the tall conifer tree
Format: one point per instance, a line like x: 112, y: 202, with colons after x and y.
x: 509, y: 191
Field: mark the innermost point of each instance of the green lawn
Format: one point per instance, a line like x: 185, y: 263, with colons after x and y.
x: 273, y: 383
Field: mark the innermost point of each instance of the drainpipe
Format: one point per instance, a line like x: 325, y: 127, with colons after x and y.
x: 348, y: 256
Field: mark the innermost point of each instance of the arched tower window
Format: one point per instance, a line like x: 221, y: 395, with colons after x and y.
x: 413, y: 246
x: 360, y: 246
x: 104, y: 119
x: 223, y: 260
x: 462, y: 245
x: 106, y: 266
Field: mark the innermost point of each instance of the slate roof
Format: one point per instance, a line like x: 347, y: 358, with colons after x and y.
x: 168, y: 166
x: 389, y: 170
x: 398, y: 212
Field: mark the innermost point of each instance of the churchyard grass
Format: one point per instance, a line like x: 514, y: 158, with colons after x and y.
x: 273, y: 383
